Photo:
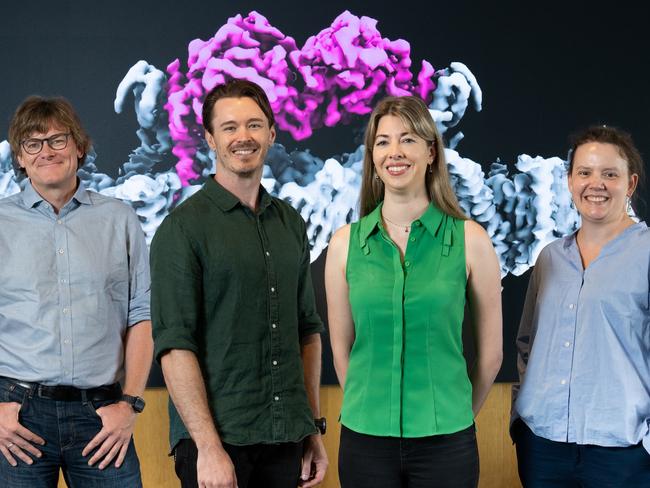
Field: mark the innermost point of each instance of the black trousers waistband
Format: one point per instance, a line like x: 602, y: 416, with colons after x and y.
x: 67, y: 393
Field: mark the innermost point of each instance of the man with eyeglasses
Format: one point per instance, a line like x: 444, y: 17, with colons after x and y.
x: 74, y: 314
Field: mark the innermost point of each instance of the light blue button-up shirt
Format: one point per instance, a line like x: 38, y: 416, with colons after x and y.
x: 584, y: 344
x: 70, y: 285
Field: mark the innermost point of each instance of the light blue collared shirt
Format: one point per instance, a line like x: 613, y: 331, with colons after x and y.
x: 584, y: 344
x: 70, y: 285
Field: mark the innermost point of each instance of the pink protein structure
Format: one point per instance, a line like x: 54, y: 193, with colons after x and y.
x: 338, y: 74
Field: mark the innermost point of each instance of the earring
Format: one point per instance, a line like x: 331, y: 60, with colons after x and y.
x: 572, y: 205
x: 376, y: 176
x: 630, y: 210
x: 431, y: 168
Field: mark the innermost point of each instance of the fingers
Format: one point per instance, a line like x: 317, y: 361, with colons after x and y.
x: 117, y: 447
x: 11, y: 450
x: 107, y: 450
x: 319, y: 476
x: 111, y: 448
x: 215, y: 484
x: 214, y: 469
x: 122, y: 455
x: 112, y: 441
x: 16, y: 440
x: 305, y: 473
x: 95, y: 442
x: 8, y: 456
x: 314, y: 463
x: 20, y: 445
x: 30, y: 437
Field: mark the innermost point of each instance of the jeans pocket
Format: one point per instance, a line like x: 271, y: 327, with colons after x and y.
x: 13, y: 394
x: 92, y: 407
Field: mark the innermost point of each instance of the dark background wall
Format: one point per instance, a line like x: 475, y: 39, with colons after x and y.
x: 544, y: 70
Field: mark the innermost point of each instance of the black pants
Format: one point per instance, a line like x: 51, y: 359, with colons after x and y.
x: 256, y: 466
x: 449, y: 460
x: 544, y: 463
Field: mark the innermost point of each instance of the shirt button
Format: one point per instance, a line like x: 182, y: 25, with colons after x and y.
x: 65, y: 310
x: 272, y: 290
x: 563, y: 382
x: 276, y: 398
x: 417, y: 223
x: 571, y: 305
x: 407, y: 263
x: 275, y: 363
x: 267, y: 253
x: 274, y: 326
x: 59, y: 221
x: 567, y: 344
x: 61, y: 251
x: 66, y: 341
x: 63, y: 280
x: 412, y: 239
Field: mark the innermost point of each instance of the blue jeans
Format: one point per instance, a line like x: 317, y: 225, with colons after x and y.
x: 66, y: 427
x: 440, y: 461
x: 549, y: 464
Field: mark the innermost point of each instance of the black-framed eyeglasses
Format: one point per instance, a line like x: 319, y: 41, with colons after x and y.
x: 56, y: 142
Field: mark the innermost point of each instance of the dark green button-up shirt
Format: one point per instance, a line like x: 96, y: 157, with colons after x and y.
x: 234, y: 287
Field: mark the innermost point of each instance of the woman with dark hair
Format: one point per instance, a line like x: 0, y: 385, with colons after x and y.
x: 397, y: 283
x: 581, y: 416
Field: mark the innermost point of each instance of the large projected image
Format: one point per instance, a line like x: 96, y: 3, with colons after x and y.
x: 334, y: 79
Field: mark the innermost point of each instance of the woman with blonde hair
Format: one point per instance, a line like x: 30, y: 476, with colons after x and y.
x: 397, y: 282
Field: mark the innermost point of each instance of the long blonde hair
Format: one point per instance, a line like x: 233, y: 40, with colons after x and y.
x: 415, y: 115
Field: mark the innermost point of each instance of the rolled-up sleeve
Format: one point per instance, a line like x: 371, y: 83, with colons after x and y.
x: 176, y: 289
x: 139, y: 277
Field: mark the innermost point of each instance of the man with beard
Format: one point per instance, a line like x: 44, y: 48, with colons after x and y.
x: 235, y: 324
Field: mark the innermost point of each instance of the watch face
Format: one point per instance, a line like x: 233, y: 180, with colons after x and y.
x: 321, y: 424
x: 138, y: 405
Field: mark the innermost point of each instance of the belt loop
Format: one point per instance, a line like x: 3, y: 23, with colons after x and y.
x: 84, y: 397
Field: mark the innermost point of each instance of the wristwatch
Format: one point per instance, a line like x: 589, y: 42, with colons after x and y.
x: 321, y: 425
x: 137, y: 403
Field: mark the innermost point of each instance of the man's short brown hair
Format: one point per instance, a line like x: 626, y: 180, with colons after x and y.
x: 39, y: 114
x: 236, y: 89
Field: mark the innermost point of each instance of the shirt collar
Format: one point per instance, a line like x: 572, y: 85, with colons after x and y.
x: 369, y: 224
x: 226, y: 201
x: 431, y: 219
x: 31, y: 197
x: 570, y: 240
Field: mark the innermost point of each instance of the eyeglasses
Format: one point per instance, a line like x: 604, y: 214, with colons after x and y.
x: 56, y: 142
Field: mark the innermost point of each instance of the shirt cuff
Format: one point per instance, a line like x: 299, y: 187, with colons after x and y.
x: 173, y: 339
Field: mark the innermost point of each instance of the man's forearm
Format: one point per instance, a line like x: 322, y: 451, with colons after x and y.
x: 310, y: 351
x: 314, y: 461
x: 138, y: 355
x: 187, y: 390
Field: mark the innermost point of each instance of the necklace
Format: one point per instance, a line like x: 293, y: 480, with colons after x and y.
x: 401, y: 226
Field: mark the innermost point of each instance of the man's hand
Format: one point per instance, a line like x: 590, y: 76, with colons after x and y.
x: 314, y: 462
x: 214, y: 469
x: 14, y: 438
x: 113, y: 440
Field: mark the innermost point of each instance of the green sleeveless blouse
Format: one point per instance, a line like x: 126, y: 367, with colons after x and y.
x: 407, y: 376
